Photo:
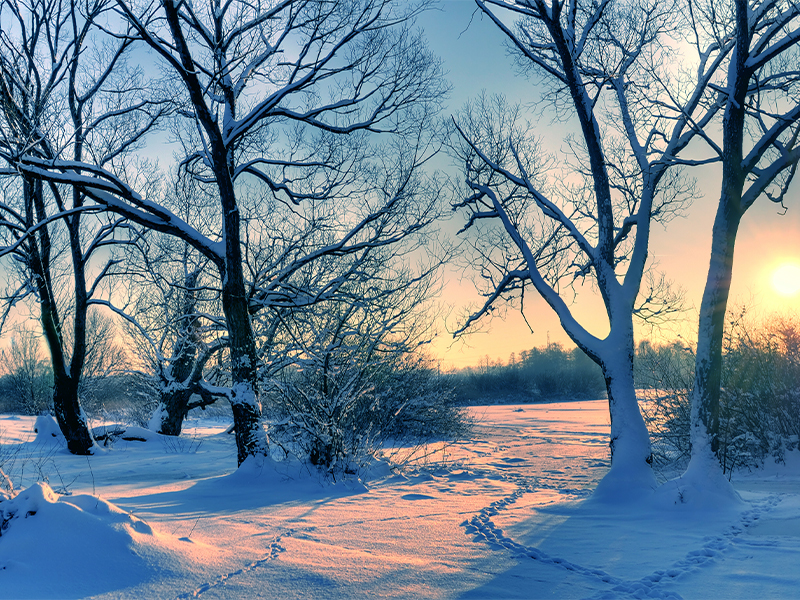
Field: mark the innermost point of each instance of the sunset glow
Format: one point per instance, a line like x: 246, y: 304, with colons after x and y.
x: 786, y: 279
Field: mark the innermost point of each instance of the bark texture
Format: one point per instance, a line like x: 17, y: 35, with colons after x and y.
x: 711, y: 327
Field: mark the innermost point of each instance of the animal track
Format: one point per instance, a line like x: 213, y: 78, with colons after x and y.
x: 275, y: 549
x: 650, y: 586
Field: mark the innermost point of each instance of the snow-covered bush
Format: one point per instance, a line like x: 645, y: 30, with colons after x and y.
x: 339, y: 419
x: 23, y: 505
x: 759, y: 399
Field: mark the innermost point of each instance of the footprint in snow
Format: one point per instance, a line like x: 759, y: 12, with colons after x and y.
x: 483, y: 529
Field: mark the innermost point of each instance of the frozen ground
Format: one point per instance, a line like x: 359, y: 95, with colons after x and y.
x: 504, y: 515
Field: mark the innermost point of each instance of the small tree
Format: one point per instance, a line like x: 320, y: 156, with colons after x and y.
x: 28, y: 379
x: 176, y: 335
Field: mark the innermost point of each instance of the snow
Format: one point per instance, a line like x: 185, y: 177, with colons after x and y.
x: 154, y: 424
x: 508, y: 513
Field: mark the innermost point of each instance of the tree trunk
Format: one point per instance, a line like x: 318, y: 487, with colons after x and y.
x: 710, y: 334
x: 176, y: 385
x: 251, y: 439
x: 69, y: 415
x: 171, y: 412
x: 711, y: 326
x: 704, y: 472
x: 631, y: 453
x: 630, y: 440
x: 66, y: 405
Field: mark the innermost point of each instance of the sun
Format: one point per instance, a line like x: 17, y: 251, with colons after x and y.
x: 786, y: 279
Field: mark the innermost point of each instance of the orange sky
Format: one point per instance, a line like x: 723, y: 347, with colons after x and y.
x: 476, y: 59
x: 766, y: 240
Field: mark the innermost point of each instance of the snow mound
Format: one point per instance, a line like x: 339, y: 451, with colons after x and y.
x: 623, y: 487
x: 702, y: 487
x: 47, y: 430
x: 110, y: 432
x: 63, y: 536
x: 261, y: 482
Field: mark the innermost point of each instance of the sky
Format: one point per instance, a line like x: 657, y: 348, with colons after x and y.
x: 476, y: 58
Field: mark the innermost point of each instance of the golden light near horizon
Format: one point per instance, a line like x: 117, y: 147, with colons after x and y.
x: 786, y: 279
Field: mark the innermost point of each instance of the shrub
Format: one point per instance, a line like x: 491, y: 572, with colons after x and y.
x: 666, y: 372
x: 759, y: 397
x: 339, y: 417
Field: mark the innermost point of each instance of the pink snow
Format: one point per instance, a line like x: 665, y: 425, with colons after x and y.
x: 505, y: 514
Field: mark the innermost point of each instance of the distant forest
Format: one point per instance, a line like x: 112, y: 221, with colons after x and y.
x: 761, y: 361
x: 540, y: 374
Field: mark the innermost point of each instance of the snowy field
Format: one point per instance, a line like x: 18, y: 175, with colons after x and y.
x: 507, y: 514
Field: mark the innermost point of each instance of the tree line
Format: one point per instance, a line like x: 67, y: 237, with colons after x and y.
x: 539, y: 374
x: 296, y: 231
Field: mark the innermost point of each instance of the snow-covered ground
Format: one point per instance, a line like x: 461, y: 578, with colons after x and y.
x: 506, y: 514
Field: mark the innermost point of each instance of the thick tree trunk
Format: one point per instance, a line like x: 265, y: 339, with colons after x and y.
x: 711, y: 327
x: 631, y: 473
x: 704, y: 475
x: 251, y: 439
x: 171, y: 412
x: 631, y: 453
x: 70, y: 417
x: 630, y: 440
x: 711, y: 331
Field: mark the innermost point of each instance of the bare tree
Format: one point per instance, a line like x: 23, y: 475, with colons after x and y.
x: 759, y: 154
x: 28, y: 380
x: 548, y: 223
x: 171, y: 314
x: 291, y: 94
x: 59, y: 98
x: 358, y: 374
